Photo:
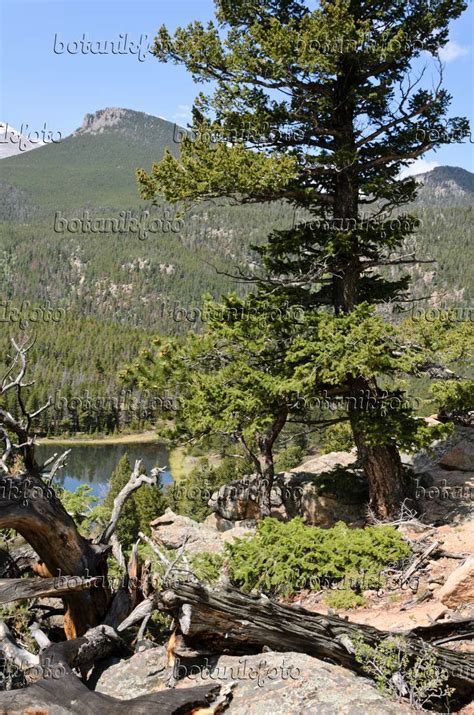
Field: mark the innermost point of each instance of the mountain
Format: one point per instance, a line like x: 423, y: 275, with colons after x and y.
x: 95, y: 166
x: 51, y: 197
x: 14, y: 141
x: 446, y: 186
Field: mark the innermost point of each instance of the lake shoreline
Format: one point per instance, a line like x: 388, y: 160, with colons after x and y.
x: 136, y: 438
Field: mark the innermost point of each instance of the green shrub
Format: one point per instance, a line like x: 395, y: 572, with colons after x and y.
x: 454, y: 396
x: 289, y: 458
x: 345, y: 598
x: 207, y: 566
x: 284, y: 558
x: 396, y: 674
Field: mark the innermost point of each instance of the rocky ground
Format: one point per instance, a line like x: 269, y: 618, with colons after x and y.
x: 270, y: 683
x: 265, y: 684
x: 441, y: 589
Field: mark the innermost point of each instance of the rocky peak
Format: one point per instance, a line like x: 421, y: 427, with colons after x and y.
x: 104, y: 118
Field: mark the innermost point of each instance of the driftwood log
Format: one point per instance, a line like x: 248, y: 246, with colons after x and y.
x: 229, y: 621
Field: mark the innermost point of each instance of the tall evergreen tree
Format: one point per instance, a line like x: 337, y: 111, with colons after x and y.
x: 322, y: 108
x: 235, y: 382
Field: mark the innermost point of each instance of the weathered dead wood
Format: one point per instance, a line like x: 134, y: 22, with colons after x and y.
x: 8, y: 566
x: 435, y: 631
x: 420, y: 598
x: 22, y: 559
x: 69, y: 695
x: 119, y: 608
x: 143, y: 610
x: 418, y: 562
x: 64, y: 692
x: 441, y: 553
x: 34, y: 510
x: 16, y: 589
x: 136, y: 480
x: 230, y: 621
x: 13, y: 652
x: 40, y: 636
x: 118, y: 552
x: 134, y: 576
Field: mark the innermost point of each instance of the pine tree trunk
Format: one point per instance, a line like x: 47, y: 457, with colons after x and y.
x: 384, y: 471
x: 267, y: 475
x: 381, y: 463
x: 266, y: 466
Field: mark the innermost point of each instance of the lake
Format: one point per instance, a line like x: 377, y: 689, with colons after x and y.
x: 93, y: 464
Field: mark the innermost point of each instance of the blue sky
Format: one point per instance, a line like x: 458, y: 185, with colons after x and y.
x: 42, y: 86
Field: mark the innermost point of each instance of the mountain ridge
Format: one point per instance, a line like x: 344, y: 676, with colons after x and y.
x: 137, y: 278
x: 111, y: 143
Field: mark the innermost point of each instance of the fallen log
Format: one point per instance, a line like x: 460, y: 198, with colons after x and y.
x: 443, y: 628
x: 58, y: 690
x: 16, y: 589
x: 229, y: 621
x: 70, y: 695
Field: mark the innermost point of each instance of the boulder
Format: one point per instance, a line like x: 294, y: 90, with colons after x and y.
x: 214, y: 521
x: 145, y: 672
x: 282, y: 683
x: 454, y: 452
x: 460, y: 457
x: 172, y: 530
x: 458, y: 590
x: 323, y: 490
x: 445, y: 496
x: 277, y: 683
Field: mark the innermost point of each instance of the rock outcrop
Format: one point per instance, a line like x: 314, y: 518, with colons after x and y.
x: 277, y: 683
x: 459, y: 587
x: 323, y: 490
x: 445, y: 479
x: 331, y: 487
x: 145, y: 672
x: 173, y: 530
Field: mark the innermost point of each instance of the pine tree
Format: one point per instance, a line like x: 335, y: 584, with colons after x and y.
x: 321, y: 108
x: 236, y: 380
x: 150, y: 503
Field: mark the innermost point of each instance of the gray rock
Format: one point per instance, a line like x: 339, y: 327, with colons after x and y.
x: 323, y: 491
x: 445, y: 485
x: 145, y: 672
x: 172, y: 530
x: 291, y: 684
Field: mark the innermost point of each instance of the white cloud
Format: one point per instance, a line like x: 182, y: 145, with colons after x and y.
x: 419, y: 166
x: 452, y: 51
x: 184, y: 112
